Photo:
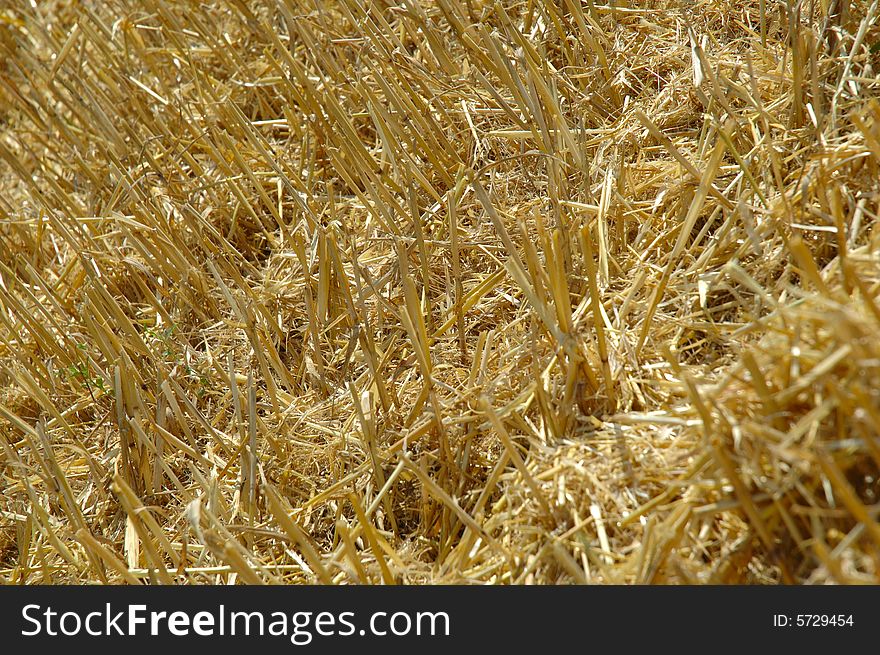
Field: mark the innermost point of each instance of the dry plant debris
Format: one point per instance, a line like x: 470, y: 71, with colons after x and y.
x: 439, y: 292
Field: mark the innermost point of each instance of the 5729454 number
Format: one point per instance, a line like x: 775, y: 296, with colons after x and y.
x: 813, y: 620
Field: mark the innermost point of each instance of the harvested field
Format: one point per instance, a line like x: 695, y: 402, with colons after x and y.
x: 476, y: 292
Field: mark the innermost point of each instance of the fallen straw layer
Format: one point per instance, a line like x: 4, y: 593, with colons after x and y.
x: 445, y: 291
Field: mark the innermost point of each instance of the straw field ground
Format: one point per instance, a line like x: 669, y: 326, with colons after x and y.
x: 451, y: 291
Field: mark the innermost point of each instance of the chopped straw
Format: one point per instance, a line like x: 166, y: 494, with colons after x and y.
x: 439, y: 292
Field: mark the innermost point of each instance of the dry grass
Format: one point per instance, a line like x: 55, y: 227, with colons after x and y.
x: 435, y: 292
